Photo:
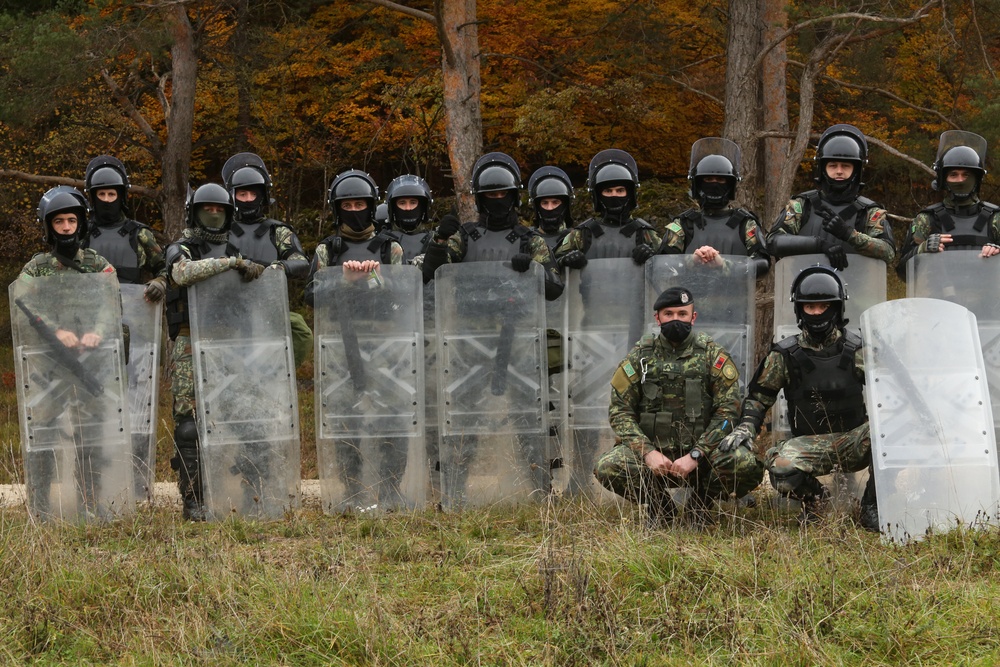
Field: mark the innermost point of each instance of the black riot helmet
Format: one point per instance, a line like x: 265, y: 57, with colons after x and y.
x: 102, y: 173
x: 381, y: 217
x: 960, y: 150
x: 610, y: 168
x: 408, y: 186
x: 841, y: 143
x: 63, y: 199
x: 496, y: 172
x: 353, y: 184
x: 247, y: 171
x: 199, y: 218
x: 551, y: 183
x: 819, y: 284
x: 714, y: 156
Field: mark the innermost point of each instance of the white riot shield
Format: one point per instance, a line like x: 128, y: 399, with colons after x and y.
x: 492, y: 384
x: 370, y: 390
x: 865, y: 283
x: 724, y: 299
x: 965, y: 278
x: 247, y: 406
x: 605, y: 316
x: 72, y: 400
x: 933, y: 451
x: 143, y: 321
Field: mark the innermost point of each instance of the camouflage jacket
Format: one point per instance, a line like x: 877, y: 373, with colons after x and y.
x: 923, y: 226
x: 691, y: 390
x: 876, y: 241
x: 773, y: 375
x: 186, y: 271
x: 322, y: 258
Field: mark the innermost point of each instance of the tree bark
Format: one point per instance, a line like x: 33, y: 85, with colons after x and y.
x: 742, y: 102
x: 775, y: 98
x: 180, y: 121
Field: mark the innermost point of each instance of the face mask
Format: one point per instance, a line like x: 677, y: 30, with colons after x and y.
x: 962, y: 190
x: 67, y: 245
x: 714, y: 194
x: 107, y: 212
x: 358, y: 221
x: 213, y: 222
x: 408, y: 220
x: 676, y: 331
x: 551, y: 221
x: 249, y: 211
x: 498, y: 210
x: 616, y: 209
x: 819, y: 326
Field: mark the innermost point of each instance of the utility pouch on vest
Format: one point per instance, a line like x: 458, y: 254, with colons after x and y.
x: 659, y: 427
x: 692, y: 401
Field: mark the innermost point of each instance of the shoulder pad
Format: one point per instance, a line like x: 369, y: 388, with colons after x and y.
x: 702, y: 340
x: 786, y: 344
x: 852, y: 338
x: 642, y: 224
x: 992, y: 208
x: 865, y: 202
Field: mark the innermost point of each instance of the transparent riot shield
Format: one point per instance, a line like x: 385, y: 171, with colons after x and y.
x: 965, y: 278
x: 247, y: 406
x: 865, y: 284
x: 556, y: 346
x: 605, y: 316
x: 724, y: 299
x: 933, y: 451
x: 71, y: 395
x: 143, y: 321
x: 492, y: 385
x: 370, y: 390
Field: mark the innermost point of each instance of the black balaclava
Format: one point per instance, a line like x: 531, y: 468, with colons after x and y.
x: 616, y: 209
x: 250, y: 211
x: 818, y: 327
x: 550, y: 221
x: 356, y: 221
x: 713, y: 195
x: 408, y: 221
x: 497, y: 213
x: 107, y: 212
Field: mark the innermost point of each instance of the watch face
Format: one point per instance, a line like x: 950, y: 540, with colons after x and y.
x: 695, y: 454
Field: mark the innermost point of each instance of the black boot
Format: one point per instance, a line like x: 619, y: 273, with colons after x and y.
x: 188, y: 466
x: 869, y: 505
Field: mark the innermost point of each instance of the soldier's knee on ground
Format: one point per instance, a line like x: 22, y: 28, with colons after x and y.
x: 792, y: 482
x: 186, y: 433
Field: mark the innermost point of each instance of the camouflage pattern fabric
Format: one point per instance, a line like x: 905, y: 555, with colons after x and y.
x: 182, y: 378
x: 288, y: 245
x: 575, y: 238
x: 322, y: 258
x: 873, y: 242
x: 675, y: 239
x: 922, y: 227
x: 149, y: 253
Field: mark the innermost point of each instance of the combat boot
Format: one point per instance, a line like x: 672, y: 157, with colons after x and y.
x: 869, y: 506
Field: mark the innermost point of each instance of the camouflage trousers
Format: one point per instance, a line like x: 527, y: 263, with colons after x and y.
x: 819, y: 455
x: 302, y: 338
x: 719, y: 475
x: 182, y: 379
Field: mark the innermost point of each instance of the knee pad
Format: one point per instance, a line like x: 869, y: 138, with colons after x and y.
x: 795, y: 483
x: 186, y: 433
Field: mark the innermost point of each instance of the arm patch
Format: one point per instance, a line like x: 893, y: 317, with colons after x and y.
x: 623, y: 378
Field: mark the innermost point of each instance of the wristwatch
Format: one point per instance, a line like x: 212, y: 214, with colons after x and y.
x: 695, y: 454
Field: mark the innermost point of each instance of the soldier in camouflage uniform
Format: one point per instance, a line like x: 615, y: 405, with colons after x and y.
x: 262, y: 239
x: 63, y: 214
x: 822, y: 372
x: 673, y: 399
x: 715, y: 229
x: 834, y: 219
x: 961, y: 220
x: 203, y: 251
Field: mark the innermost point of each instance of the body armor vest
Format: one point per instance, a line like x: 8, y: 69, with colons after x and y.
x: 176, y: 300
x: 602, y: 241
x: 722, y: 230
x: 413, y: 244
x: 675, y: 406
x: 487, y: 245
x: 340, y: 250
x: 854, y: 213
x: 968, y: 225
x: 119, y: 244
x: 552, y: 240
x: 824, y: 395
x: 255, y: 241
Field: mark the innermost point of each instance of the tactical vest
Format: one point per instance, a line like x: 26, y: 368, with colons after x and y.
x: 854, y: 213
x: 723, y: 231
x: 413, y: 244
x: 824, y: 395
x: 119, y: 244
x: 968, y: 225
x: 487, y: 245
x: 553, y: 240
x: 340, y: 250
x: 176, y: 300
x: 675, y: 406
x: 603, y: 241
x: 256, y: 241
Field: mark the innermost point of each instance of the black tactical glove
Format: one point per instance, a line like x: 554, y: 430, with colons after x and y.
x: 742, y: 436
x: 449, y: 227
x: 574, y: 259
x: 249, y: 270
x: 520, y: 262
x: 156, y: 289
x: 834, y: 224
x: 641, y: 253
x: 835, y: 253
x: 934, y: 243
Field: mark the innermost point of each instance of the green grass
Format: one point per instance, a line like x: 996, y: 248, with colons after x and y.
x: 564, y: 584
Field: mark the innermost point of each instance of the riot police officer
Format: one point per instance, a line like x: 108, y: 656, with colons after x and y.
x: 204, y: 250
x: 961, y: 220
x: 262, y: 239
x: 715, y: 229
x: 407, y: 201
x: 822, y: 372
x: 497, y: 235
x: 551, y: 195
x: 127, y: 244
x: 835, y: 219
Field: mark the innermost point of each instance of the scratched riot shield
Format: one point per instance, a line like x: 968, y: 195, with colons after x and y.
x: 933, y: 448
x: 370, y: 390
x: 724, y: 299
x: 71, y: 395
x: 965, y: 278
x: 247, y: 407
x: 865, y: 284
x: 143, y: 321
x: 605, y: 316
x: 492, y: 384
